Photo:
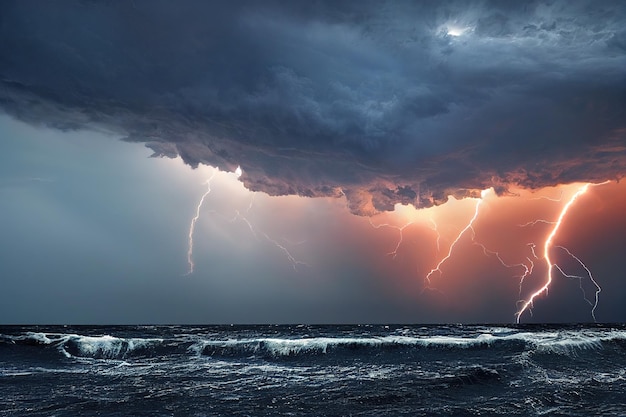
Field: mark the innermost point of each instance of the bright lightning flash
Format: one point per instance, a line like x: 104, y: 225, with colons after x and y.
x: 551, y: 265
x: 192, y: 226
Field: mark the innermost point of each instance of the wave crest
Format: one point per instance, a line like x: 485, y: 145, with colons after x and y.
x: 110, y: 347
x: 105, y: 347
x: 74, y: 345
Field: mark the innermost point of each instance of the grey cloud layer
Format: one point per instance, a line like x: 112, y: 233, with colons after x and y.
x: 375, y: 100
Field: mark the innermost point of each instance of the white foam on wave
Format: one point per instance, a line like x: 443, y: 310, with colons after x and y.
x: 14, y: 373
x: 106, y: 346
x: 288, y: 347
x: 41, y: 338
x: 568, y: 341
x: 565, y: 342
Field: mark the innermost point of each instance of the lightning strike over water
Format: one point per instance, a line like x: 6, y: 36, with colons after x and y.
x: 527, y: 266
x: 551, y: 265
x: 192, y: 226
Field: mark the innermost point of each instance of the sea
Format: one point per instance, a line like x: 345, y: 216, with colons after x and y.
x: 302, y: 370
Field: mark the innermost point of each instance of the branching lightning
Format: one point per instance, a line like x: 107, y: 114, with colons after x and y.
x: 295, y: 263
x: 598, y: 290
x: 543, y: 197
x: 238, y: 215
x: 192, y: 226
x: 535, y: 222
x: 528, y: 265
x: 526, y: 305
x: 400, y: 229
x: 468, y: 227
x: 293, y: 260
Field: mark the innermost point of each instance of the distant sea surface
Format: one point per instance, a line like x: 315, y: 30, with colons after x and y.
x: 313, y: 370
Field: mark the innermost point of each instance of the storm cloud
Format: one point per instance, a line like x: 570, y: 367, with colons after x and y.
x: 383, y: 102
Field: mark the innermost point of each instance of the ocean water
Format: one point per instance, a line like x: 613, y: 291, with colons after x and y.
x: 313, y: 370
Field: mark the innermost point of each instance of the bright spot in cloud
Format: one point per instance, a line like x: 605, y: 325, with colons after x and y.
x: 238, y: 172
x: 455, y: 30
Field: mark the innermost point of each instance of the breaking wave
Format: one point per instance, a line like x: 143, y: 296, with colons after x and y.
x: 511, y: 341
x: 99, y: 347
x: 545, y: 343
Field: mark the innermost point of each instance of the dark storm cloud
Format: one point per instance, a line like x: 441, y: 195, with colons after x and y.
x: 375, y: 100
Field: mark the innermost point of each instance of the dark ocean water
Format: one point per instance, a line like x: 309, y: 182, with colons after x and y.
x: 313, y: 370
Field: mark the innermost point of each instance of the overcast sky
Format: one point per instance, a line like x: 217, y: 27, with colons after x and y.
x: 337, y: 113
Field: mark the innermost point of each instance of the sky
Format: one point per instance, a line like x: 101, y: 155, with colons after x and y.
x: 331, y: 162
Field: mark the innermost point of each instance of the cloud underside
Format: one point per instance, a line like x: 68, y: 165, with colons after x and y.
x: 384, y: 103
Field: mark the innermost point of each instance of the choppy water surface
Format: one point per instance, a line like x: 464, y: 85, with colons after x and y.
x: 313, y: 370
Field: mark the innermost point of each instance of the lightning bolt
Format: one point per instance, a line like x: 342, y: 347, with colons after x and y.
x: 526, y: 305
x: 436, y: 230
x: 534, y: 222
x: 255, y: 232
x: 528, y: 267
x: 543, y: 197
x: 239, y: 216
x: 591, y: 278
x: 544, y: 221
x: 288, y: 254
x: 192, y: 226
x: 400, y: 229
x: 468, y: 227
x: 532, y: 247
